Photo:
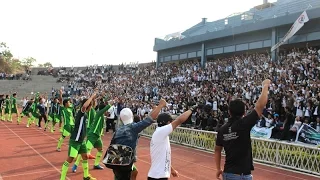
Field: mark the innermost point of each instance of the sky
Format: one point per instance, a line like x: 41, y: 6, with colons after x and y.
x: 85, y: 32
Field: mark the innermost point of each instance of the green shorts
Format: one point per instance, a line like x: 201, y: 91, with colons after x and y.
x: 54, y: 117
x: 94, y: 140
x: 7, y: 111
x: 14, y: 110
x: 67, y: 130
x: 35, y: 115
x: 25, y: 113
x: 76, y: 148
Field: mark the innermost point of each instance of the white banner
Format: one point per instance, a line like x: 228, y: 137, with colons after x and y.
x: 308, y: 135
x: 298, y: 24
x: 261, y: 132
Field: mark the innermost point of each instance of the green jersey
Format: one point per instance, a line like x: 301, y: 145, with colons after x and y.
x: 80, y: 128
x: 97, y: 125
x: 8, y: 104
x: 13, y: 103
x: 67, y: 114
x: 91, y: 114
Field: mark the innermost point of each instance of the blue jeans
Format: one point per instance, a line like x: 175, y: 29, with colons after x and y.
x: 229, y: 176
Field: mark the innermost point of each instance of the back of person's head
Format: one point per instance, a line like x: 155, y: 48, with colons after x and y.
x: 126, y: 116
x: 237, y: 108
x: 164, y: 119
x: 136, y: 118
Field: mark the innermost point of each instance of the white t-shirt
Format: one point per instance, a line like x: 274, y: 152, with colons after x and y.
x: 160, y: 152
x: 111, y: 111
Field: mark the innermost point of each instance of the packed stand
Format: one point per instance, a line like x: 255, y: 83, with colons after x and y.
x: 295, y: 88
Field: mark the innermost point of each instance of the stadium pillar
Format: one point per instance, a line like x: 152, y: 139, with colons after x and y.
x: 274, y: 41
x: 157, y: 61
x: 203, y: 56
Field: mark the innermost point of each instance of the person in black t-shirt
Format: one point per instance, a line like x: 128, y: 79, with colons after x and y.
x: 1, y: 107
x: 42, y: 113
x: 234, y: 137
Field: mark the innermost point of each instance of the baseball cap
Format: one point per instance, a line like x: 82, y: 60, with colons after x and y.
x: 126, y: 116
x: 163, y: 119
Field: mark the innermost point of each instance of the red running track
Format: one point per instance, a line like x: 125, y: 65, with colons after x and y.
x: 30, y: 154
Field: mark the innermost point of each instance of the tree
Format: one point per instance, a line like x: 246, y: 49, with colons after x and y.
x: 40, y: 65
x: 47, y: 65
x: 28, y: 62
x: 5, y: 52
x: 5, y: 58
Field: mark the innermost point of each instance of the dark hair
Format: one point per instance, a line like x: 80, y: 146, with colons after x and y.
x: 237, y: 108
x: 65, y: 101
x: 163, y: 119
x: 136, y: 118
x: 14, y: 94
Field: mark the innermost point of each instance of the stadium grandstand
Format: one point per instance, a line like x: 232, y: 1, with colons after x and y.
x: 208, y: 65
x: 258, y: 29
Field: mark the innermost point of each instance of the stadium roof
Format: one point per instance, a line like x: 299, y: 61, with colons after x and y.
x: 255, y: 14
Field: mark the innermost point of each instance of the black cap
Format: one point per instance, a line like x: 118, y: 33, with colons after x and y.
x: 163, y: 119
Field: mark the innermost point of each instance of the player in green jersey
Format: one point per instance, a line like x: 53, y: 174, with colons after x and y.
x: 94, y: 136
x: 77, y: 141
x: 7, y: 109
x: 14, y: 108
x: 68, y: 120
x: 91, y: 116
x: 34, y: 111
x: 54, y: 113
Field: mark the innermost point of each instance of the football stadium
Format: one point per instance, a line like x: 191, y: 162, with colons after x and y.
x: 235, y: 99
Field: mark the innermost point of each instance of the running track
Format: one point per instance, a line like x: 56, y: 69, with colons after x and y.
x: 30, y: 154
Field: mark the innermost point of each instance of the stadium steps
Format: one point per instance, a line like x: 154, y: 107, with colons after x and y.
x: 24, y: 88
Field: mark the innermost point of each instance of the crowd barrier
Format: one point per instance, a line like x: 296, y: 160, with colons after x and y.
x: 297, y: 157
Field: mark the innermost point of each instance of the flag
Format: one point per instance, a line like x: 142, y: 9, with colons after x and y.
x: 298, y: 24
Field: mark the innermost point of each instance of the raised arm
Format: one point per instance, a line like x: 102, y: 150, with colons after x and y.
x: 87, y: 103
x: 182, y: 118
x: 263, y: 99
x: 60, y: 96
x: 141, y: 125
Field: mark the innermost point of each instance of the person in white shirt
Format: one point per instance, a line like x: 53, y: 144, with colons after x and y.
x: 25, y: 101
x: 160, y: 150
x: 111, y: 118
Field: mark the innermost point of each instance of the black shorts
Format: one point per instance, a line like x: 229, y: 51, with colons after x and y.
x: 149, y: 178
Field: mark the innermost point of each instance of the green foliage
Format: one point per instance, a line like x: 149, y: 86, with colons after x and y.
x: 28, y: 62
x: 9, y: 64
x: 47, y: 65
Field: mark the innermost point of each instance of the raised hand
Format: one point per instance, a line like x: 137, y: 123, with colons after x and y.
x: 266, y: 82
x: 163, y: 103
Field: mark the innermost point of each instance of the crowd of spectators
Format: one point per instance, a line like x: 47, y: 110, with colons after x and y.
x: 294, y: 95
x: 5, y: 76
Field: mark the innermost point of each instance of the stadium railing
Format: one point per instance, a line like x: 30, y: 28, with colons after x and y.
x: 267, y: 151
